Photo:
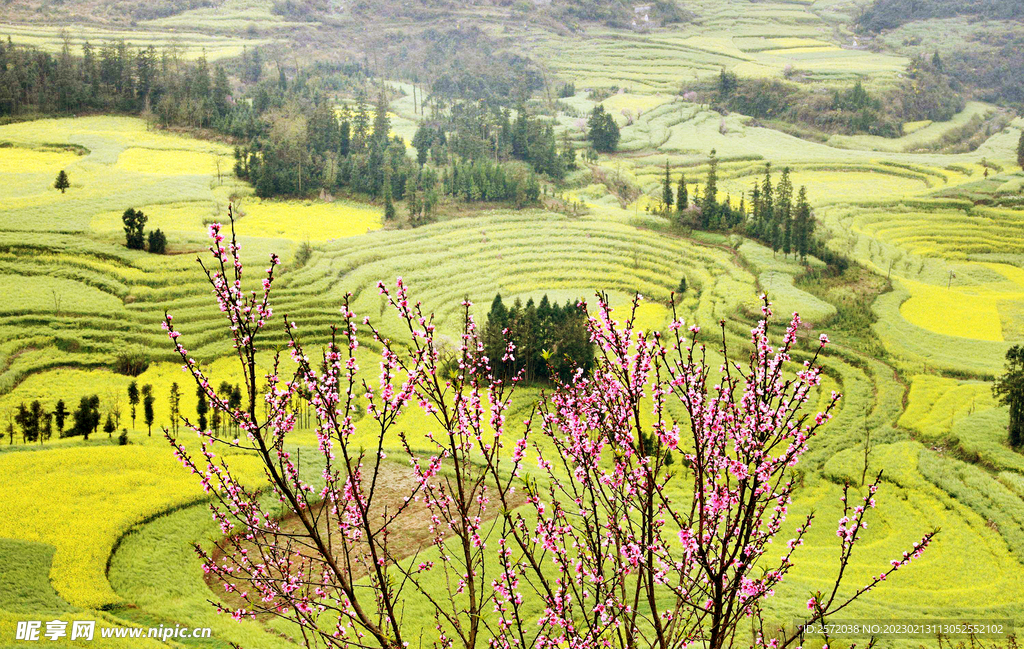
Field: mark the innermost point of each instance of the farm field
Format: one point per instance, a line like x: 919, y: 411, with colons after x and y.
x: 753, y: 40
x: 90, y: 529
x: 188, y: 43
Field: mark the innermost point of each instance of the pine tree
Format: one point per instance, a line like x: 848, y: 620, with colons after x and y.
x: 709, y: 206
x: 767, y: 216
x: 360, y: 123
x: 235, y: 401
x: 755, y: 210
x: 344, y: 137
x: 90, y: 75
x: 134, y: 226
x: 1010, y: 389
x: 46, y: 432
x: 62, y: 183
x: 568, y: 154
x: 94, y: 413
x: 82, y: 419
x: 666, y: 190
x: 529, y: 339
x: 145, y: 65
x: 727, y: 213
x: 389, y: 204
x: 381, y: 121
x: 414, y: 205
x: 201, y: 86
x: 21, y: 418
x: 803, y: 225
x: 1020, y: 150
x: 602, y: 131
x: 60, y: 415
x: 157, y: 242
x: 430, y: 201
x: 175, y: 399
x: 221, y: 91
x: 682, y: 197
x: 147, y: 407
x: 783, y: 213
x: 422, y: 141
x: 133, y: 399
x: 494, y: 338
x: 29, y: 419
x: 201, y: 407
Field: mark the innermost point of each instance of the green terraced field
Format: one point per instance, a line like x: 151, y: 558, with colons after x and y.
x: 183, y: 38
x: 752, y: 39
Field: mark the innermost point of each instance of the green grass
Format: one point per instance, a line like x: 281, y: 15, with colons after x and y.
x: 25, y: 581
x: 776, y: 275
x: 105, y: 490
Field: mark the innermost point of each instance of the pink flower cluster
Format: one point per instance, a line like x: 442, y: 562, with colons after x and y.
x: 611, y: 518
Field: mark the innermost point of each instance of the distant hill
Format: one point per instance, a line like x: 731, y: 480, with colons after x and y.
x: 99, y: 11
x: 889, y: 14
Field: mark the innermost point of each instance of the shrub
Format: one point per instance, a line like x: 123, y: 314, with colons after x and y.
x: 157, y: 242
x: 131, y: 361
x: 134, y: 224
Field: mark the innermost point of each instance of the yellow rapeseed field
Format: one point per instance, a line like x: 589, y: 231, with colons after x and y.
x: 16, y: 160
x: 307, y: 220
x: 796, y: 42
x: 186, y: 216
x: 80, y: 500
x: 964, y: 313
x: 174, y: 162
x: 634, y: 102
x: 935, y: 403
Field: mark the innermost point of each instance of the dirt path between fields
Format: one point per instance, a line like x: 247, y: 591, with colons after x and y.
x: 409, y: 534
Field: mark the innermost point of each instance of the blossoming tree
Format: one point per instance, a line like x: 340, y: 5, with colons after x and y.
x: 573, y: 529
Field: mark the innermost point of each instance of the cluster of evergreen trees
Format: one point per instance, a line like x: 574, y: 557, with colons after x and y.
x: 352, y: 149
x: 114, y: 77
x: 925, y: 92
x: 1020, y: 151
x: 475, y: 130
x: 602, y: 131
x: 551, y: 341
x: 484, y: 180
x: 773, y: 216
x: 36, y: 424
x: 297, y: 142
x: 776, y: 219
x: 205, y: 419
x: 1009, y: 389
x: 135, y: 237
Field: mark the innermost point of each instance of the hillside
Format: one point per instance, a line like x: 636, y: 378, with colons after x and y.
x: 889, y: 14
